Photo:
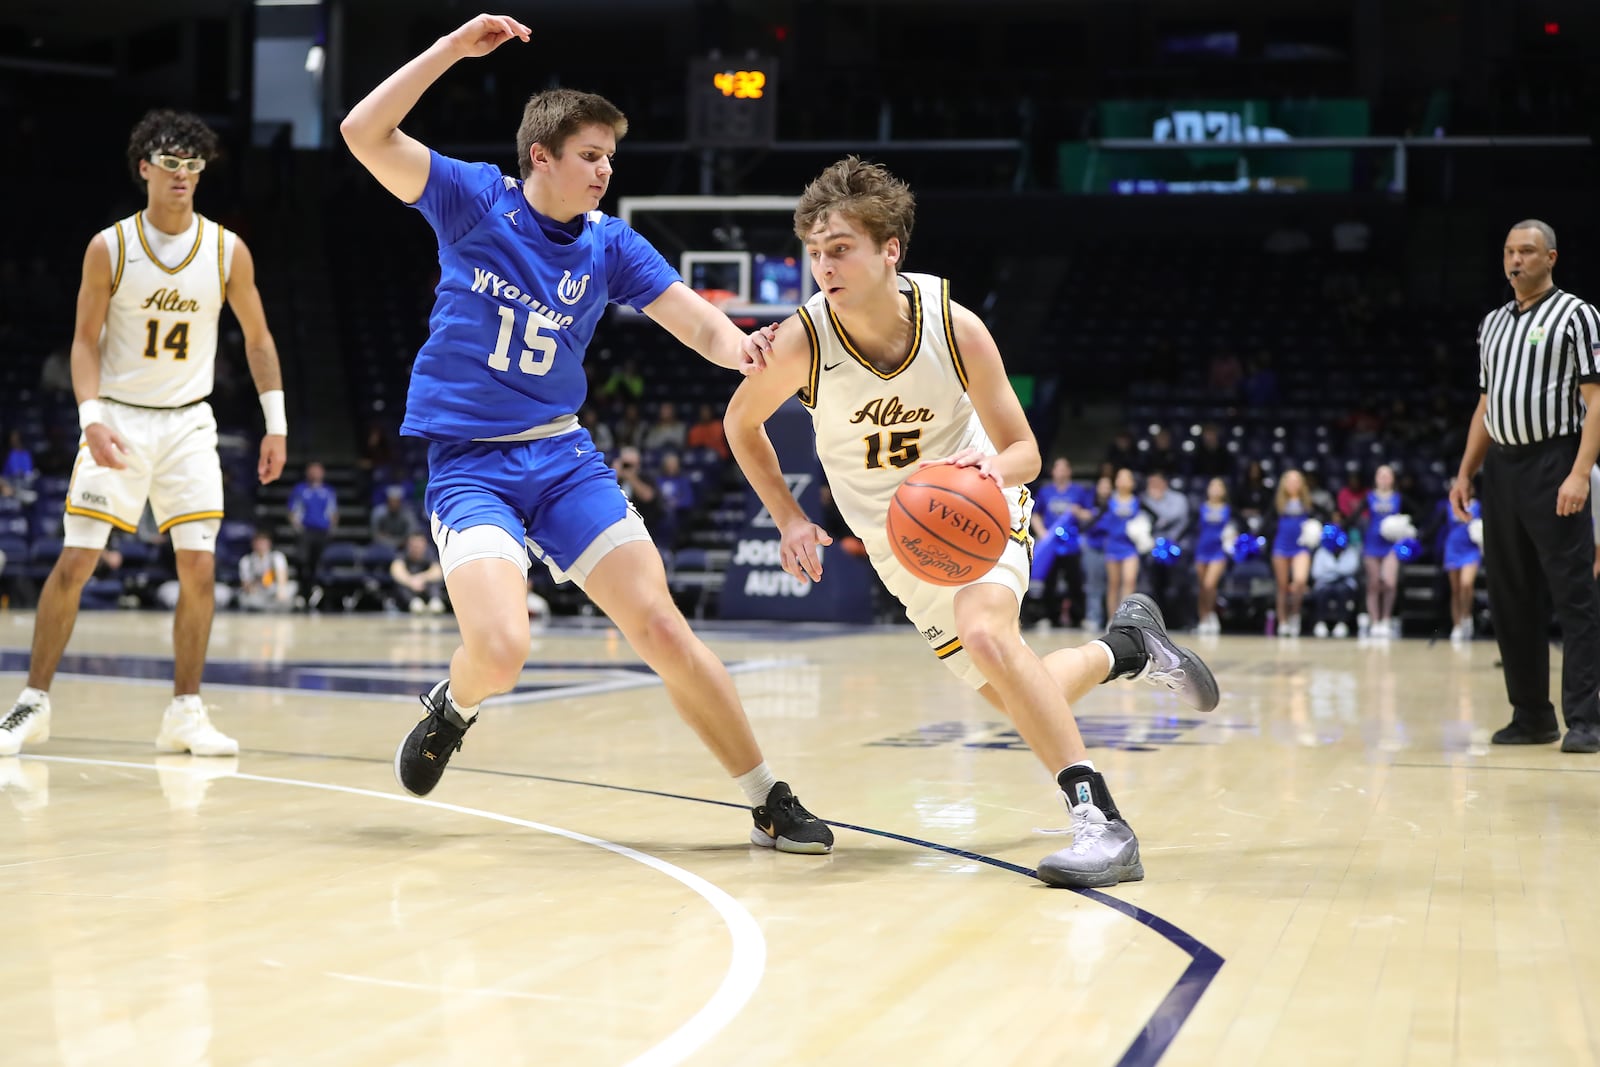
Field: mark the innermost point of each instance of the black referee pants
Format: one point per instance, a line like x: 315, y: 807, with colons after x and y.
x: 1534, y: 559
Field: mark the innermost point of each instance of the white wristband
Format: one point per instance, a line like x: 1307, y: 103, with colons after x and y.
x: 90, y: 412
x: 272, y: 408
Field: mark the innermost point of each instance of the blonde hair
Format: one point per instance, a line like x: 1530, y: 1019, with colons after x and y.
x: 865, y: 193
x: 1283, y: 489
x: 551, y: 117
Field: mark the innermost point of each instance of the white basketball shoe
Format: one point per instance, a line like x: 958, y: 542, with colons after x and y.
x: 28, y: 722
x: 186, y: 727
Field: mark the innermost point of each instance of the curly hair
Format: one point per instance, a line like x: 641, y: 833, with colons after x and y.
x: 867, y: 194
x: 550, y: 118
x: 164, y: 130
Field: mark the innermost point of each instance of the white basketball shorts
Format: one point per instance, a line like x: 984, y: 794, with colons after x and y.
x: 171, y: 461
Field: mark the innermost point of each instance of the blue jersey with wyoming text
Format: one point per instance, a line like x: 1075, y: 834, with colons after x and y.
x: 516, y: 305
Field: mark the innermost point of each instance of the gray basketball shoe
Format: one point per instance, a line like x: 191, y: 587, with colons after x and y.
x: 1171, y: 666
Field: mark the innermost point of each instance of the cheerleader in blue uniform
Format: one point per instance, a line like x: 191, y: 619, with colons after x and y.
x: 1209, y: 556
x: 1291, y: 557
x: 1379, y: 558
x: 1122, y: 557
x: 1462, y: 557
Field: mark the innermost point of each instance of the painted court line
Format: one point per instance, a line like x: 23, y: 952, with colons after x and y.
x: 745, y: 967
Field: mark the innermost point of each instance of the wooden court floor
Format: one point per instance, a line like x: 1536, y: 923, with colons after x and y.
x: 1340, y: 869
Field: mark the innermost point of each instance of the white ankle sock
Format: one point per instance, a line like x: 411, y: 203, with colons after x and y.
x: 30, y: 695
x: 757, y: 783
x: 190, y: 701
x: 466, y: 712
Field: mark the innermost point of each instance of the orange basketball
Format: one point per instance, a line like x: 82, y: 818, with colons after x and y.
x: 948, y: 524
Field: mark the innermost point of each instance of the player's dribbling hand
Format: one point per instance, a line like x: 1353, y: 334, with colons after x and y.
x: 1460, y: 499
x: 969, y: 457
x: 756, y: 349
x: 486, y: 33
x: 798, y: 551
x: 105, y: 446
x: 274, y: 451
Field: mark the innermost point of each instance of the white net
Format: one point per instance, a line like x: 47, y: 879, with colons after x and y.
x: 739, y: 252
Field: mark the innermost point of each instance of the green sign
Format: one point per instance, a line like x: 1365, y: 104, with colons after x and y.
x: 1221, y: 168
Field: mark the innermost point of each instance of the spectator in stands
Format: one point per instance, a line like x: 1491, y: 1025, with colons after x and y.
x: 393, y: 520
x: 1169, y: 513
x: 1352, y: 496
x: 1211, y: 457
x: 264, y: 583
x: 626, y: 384
x: 638, y: 487
x: 18, y: 469
x: 668, y: 431
x: 599, y: 430
x: 1291, y: 552
x: 707, y: 432
x: 1210, y: 552
x: 1334, y: 587
x: 377, y: 451
x: 1254, y: 499
x: 418, y: 578
x: 1260, y: 386
x: 1161, y: 456
x: 314, y: 514
x: 1122, y: 453
x: 628, y: 431
x: 1094, y: 557
x: 1224, y: 375
x: 676, y: 492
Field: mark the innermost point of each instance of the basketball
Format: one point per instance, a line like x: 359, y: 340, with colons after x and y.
x: 949, y: 524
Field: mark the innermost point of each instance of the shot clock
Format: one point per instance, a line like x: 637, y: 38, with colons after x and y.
x: 733, y: 102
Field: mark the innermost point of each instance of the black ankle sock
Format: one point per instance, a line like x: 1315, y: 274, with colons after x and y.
x: 1127, y: 651
x: 1099, y: 794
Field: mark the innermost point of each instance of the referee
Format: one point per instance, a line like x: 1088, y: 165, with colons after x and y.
x: 1535, y: 435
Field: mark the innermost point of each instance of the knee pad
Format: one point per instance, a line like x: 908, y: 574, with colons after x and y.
x: 197, y: 536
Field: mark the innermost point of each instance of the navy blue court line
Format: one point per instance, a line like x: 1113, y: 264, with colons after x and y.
x: 1153, y: 1038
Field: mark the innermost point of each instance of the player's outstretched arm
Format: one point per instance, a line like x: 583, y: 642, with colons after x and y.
x: 996, y: 403
x: 371, y: 130
x: 758, y: 396
x: 261, y: 352
x: 698, y: 323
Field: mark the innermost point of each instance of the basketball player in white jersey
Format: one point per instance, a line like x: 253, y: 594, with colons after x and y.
x: 897, y: 377
x: 143, y: 352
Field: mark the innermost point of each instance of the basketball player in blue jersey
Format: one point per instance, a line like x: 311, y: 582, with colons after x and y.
x: 873, y: 334
x: 526, y: 268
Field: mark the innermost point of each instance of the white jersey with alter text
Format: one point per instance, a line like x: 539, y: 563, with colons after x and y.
x: 158, y: 348
x: 874, y: 427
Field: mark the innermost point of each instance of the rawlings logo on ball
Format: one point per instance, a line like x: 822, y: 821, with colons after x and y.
x: 933, y: 558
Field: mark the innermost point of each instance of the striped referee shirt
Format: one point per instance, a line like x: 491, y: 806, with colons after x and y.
x: 1530, y: 364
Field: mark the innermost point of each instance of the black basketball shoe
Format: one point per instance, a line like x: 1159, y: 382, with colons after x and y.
x: 420, y: 760
x: 782, y: 823
x: 1170, y: 665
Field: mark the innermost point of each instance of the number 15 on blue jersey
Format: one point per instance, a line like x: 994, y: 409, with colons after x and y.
x: 538, y: 357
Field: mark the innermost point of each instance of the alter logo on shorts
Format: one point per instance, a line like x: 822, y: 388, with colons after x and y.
x: 94, y: 498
